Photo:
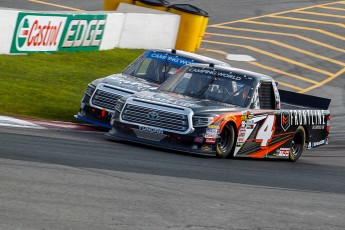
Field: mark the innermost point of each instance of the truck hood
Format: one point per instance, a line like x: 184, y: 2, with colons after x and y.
x: 197, y: 105
x: 130, y: 83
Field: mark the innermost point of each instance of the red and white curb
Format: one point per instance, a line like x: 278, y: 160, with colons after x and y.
x: 14, y: 122
x: 42, y: 124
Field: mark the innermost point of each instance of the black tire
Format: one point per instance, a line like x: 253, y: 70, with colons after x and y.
x: 226, y: 143
x: 297, y: 144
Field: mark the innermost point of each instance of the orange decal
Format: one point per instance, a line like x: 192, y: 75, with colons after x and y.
x: 284, y: 120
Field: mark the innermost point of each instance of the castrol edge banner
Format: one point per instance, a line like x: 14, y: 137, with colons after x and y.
x: 37, y: 32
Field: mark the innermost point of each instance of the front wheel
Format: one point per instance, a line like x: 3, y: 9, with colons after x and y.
x: 226, y: 143
x: 297, y: 144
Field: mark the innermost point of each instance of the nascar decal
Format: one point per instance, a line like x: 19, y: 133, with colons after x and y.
x: 264, y: 134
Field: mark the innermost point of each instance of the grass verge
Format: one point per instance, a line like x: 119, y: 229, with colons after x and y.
x: 50, y: 86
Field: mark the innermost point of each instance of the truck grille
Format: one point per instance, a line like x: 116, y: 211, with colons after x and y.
x: 105, y: 97
x: 162, y: 117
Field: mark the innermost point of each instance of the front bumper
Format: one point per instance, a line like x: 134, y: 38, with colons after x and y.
x: 190, y: 143
x: 94, y: 116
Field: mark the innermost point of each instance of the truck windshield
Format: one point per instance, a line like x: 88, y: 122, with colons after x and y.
x: 156, y: 66
x: 210, y: 84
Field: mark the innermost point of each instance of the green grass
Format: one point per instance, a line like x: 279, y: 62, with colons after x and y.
x: 50, y: 86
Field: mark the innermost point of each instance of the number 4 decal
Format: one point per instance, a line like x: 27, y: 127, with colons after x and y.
x: 266, y: 130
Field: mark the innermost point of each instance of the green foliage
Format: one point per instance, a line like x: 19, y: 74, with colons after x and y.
x: 50, y: 86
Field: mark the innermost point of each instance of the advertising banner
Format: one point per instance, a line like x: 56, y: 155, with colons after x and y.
x: 39, y: 32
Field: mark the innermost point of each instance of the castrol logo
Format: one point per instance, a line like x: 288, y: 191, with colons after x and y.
x: 39, y: 33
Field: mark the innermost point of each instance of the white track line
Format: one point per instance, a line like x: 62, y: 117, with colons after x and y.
x: 13, y: 122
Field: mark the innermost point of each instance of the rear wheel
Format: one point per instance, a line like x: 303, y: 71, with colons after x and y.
x: 297, y: 144
x: 226, y: 143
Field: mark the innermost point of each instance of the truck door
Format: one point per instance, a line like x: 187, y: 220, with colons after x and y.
x: 258, y: 124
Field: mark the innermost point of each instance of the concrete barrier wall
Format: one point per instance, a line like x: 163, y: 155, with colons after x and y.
x: 113, y: 30
x: 7, y: 24
x: 132, y: 27
x: 146, y: 31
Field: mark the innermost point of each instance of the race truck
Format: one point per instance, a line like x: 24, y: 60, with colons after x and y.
x: 225, y: 112
x: 147, y: 72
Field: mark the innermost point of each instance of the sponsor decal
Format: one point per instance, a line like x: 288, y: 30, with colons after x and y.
x: 210, y: 140
x: 202, y: 71
x: 215, y: 73
x: 318, y: 127
x: 250, y: 122
x: 240, y: 140
x: 151, y: 130
x: 206, y: 148
x: 213, y: 127
x: 250, y: 126
x: 244, y: 116
x: 242, y: 134
x: 84, y: 32
x: 283, y: 152
x: 169, y: 58
x: 285, y: 120
x: 198, y: 139
x: 229, y: 75
x: 36, y: 32
x: 229, y: 117
x: 212, y: 131
x: 211, y: 135
x: 302, y: 117
x: 318, y: 143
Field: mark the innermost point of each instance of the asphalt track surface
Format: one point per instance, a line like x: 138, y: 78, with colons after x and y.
x: 67, y: 178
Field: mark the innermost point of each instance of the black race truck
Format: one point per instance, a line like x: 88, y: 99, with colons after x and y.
x: 147, y: 72
x: 225, y: 112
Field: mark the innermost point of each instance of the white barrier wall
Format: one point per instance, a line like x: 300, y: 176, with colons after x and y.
x: 113, y: 30
x: 149, y: 31
x: 26, y: 31
x: 148, y: 28
x: 7, y: 24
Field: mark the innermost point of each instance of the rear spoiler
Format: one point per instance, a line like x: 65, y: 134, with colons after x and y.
x: 304, y: 100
